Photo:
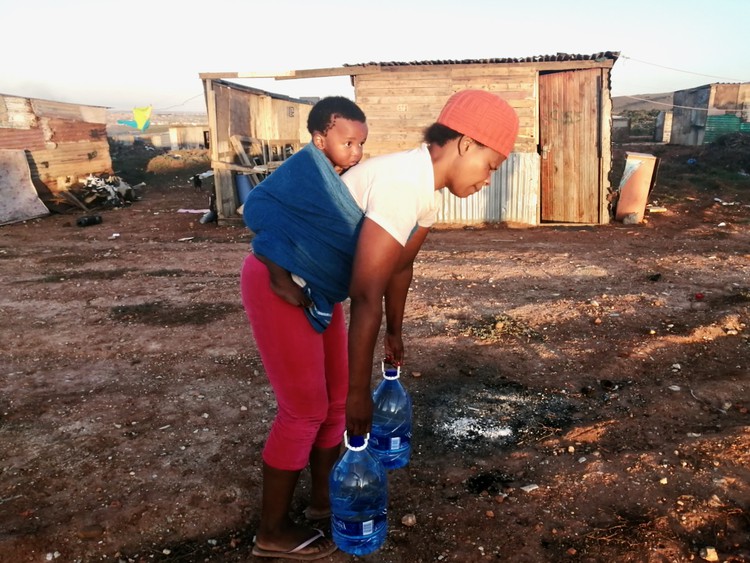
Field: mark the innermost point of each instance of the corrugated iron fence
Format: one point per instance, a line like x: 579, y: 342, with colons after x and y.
x: 512, y: 196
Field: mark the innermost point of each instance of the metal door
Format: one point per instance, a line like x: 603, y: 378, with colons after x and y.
x: 570, y: 146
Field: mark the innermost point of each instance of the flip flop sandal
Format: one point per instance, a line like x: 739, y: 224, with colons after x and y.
x: 295, y: 553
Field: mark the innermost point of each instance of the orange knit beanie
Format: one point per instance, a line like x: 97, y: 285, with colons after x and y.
x: 483, y: 116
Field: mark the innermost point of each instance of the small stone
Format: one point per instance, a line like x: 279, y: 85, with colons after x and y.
x: 663, y: 481
x: 409, y: 520
x: 572, y: 551
x: 529, y: 488
x: 416, y: 374
x: 490, y: 514
x: 597, y: 321
x: 709, y: 554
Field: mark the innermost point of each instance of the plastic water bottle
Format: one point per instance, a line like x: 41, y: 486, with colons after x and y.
x: 391, y: 421
x: 359, y: 499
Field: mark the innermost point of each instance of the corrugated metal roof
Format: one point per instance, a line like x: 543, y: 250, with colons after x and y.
x: 260, y: 92
x: 559, y: 57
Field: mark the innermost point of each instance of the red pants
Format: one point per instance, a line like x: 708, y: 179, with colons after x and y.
x: 308, y: 371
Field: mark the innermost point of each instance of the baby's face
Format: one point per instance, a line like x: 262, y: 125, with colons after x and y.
x: 343, y: 143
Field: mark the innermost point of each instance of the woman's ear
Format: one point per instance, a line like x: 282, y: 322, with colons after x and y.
x: 464, y: 143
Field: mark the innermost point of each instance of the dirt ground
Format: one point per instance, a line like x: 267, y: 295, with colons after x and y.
x: 580, y: 393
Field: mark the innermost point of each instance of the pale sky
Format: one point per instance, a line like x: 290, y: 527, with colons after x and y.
x: 138, y: 53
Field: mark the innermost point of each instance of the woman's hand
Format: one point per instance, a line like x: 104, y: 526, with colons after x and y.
x: 394, y: 349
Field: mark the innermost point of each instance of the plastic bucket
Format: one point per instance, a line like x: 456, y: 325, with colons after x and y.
x: 636, y: 183
x: 243, y: 187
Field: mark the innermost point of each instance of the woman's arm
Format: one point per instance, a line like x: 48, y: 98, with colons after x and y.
x: 395, y: 297
x: 381, y: 265
x: 375, y: 260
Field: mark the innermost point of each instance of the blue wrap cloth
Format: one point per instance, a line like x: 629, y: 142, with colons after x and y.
x: 305, y: 220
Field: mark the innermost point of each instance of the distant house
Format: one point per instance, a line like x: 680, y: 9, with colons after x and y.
x: 189, y: 137
x: 702, y: 114
x: 559, y: 170
x: 63, y: 142
x: 620, y: 128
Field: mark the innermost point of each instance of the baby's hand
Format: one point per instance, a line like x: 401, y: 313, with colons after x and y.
x: 283, y: 285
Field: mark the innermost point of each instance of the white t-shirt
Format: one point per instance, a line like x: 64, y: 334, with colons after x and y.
x: 397, y: 191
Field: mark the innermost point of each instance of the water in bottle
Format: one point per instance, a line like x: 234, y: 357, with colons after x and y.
x: 359, y: 499
x: 391, y: 421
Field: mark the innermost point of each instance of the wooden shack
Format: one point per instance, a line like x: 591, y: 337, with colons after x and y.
x: 559, y: 170
x: 251, y: 132
x: 704, y: 113
x: 189, y: 137
x: 63, y: 142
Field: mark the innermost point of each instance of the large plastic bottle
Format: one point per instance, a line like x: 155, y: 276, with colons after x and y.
x: 359, y: 499
x: 391, y: 421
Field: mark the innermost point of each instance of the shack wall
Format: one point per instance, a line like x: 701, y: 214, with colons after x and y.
x: 401, y: 101
x: 63, y: 142
x: 188, y: 137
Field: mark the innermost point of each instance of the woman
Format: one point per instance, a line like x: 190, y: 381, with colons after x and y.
x: 360, y: 238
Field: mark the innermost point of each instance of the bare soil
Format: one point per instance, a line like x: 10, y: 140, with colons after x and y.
x: 580, y: 393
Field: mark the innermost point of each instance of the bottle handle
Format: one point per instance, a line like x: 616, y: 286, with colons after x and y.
x: 355, y: 448
x: 388, y: 377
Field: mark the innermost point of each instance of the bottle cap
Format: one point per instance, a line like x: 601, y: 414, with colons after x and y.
x: 392, y: 372
x: 356, y: 443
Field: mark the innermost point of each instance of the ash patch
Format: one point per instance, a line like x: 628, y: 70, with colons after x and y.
x: 493, y: 482
x: 168, y: 314
x: 57, y: 277
x: 164, y: 273
x: 473, y: 416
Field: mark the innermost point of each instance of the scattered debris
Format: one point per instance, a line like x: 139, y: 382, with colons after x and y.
x: 97, y: 192
x: 88, y: 220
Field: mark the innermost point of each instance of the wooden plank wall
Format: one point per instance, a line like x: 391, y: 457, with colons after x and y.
x: 64, y: 142
x: 605, y: 167
x: 400, y: 102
